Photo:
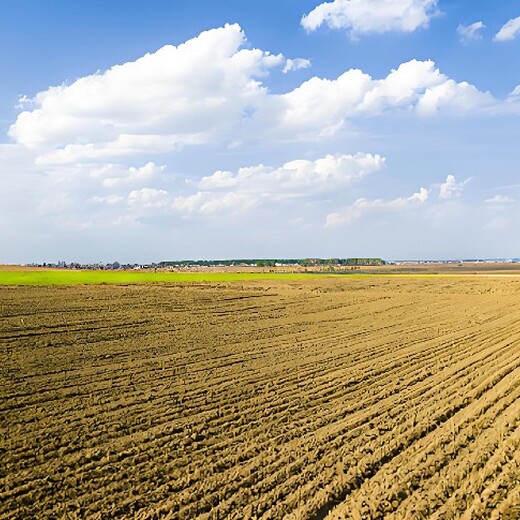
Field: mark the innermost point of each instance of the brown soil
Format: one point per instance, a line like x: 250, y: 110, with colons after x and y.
x: 359, y: 398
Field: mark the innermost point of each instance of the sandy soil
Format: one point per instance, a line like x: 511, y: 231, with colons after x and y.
x: 359, y: 398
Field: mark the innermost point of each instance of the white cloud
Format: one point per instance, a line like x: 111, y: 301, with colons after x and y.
x: 371, y: 16
x: 124, y: 145
x: 297, y: 63
x: 219, y: 179
x: 499, y: 199
x: 320, y: 107
x: 193, y: 93
x: 363, y: 206
x: 470, y: 32
x: 148, y: 201
x: 148, y: 198
x: 450, y: 188
x: 515, y: 93
x: 109, y: 199
x: 462, y: 98
x: 297, y: 177
x: 226, y: 193
x: 210, y: 90
x: 509, y: 30
x: 131, y: 175
x: 207, y: 203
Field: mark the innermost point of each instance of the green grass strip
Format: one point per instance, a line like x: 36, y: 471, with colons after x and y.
x: 64, y: 277
x: 72, y: 277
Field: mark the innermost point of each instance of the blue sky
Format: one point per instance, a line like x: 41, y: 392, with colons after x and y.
x: 142, y: 131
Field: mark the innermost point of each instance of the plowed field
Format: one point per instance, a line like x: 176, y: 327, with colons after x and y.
x: 373, y: 397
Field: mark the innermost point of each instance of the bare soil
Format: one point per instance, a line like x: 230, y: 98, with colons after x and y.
x: 332, y: 398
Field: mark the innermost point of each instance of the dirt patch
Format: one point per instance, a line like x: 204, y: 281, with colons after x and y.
x: 353, y: 398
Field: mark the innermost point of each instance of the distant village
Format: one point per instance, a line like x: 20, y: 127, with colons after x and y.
x: 262, y: 262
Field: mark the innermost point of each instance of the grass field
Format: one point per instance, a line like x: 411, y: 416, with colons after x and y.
x: 56, y: 277
x: 366, y: 397
x: 64, y: 277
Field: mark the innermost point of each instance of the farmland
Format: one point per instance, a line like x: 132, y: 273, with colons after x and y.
x: 70, y: 277
x: 303, y: 398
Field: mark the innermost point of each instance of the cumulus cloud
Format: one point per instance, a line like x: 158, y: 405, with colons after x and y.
x: 298, y: 176
x: 148, y: 198
x: 207, y: 203
x: 462, y: 98
x: 363, y: 206
x: 109, y: 199
x: 468, y: 33
x: 124, y: 145
x: 210, y: 90
x: 320, y: 107
x: 219, y: 179
x: 117, y: 176
x: 180, y: 95
x: 450, y: 188
x: 499, y: 199
x: 226, y: 192
x: 297, y: 63
x: 149, y: 201
x: 360, y: 17
x: 509, y: 30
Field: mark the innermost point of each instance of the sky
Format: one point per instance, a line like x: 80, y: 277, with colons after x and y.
x: 141, y: 131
